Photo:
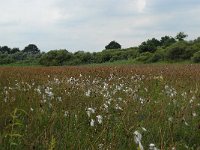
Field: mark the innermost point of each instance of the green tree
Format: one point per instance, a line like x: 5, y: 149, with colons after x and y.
x: 84, y: 57
x: 181, y: 36
x: 149, y: 45
x: 31, y: 48
x: 14, y: 50
x: 167, y: 41
x: 55, y: 58
x: 113, y: 45
x: 5, y: 49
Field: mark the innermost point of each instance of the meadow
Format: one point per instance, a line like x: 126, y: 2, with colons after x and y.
x: 100, y: 107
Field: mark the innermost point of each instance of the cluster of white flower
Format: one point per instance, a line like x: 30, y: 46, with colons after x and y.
x: 98, y: 118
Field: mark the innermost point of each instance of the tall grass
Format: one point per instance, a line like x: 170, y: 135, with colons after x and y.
x: 100, y: 107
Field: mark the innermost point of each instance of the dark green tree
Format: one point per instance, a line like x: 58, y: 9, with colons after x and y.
x: 167, y: 41
x: 5, y: 49
x: 31, y: 48
x: 14, y: 50
x: 149, y: 45
x: 55, y: 58
x: 113, y: 45
x: 181, y: 36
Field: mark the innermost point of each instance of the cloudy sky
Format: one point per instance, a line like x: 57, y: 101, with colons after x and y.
x: 89, y: 25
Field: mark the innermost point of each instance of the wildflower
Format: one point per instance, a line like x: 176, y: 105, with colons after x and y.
x: 88, y: 93
x: 92, y: 123
x: 137, y: 139
x: 144, y: 129
x: 105, y: 106
x: 90, y: 111
x: 100, y: 146
x: 194, y: 114
x: 170, y: 119
x: 183, y: 119
x: 99, y: 119
x: 118, y: 107
x: 32, y: 109
x: 66, y: 113
x: 59, y: 99
x: 152, y: 147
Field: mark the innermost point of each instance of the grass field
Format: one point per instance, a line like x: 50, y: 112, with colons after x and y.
x: 101, y: 107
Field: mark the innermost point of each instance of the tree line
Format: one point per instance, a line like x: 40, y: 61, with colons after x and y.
x: 30, y: 54
x: 167, y: 48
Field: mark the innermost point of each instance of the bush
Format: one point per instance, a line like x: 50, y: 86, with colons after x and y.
x: 158, y: 55
x: 179, y: 51
x: 149, y: 45
x: 155, y: 58
x: 196, y: 57
x: 55, y: 58
x: 6, y: 59
x: 144, y: 57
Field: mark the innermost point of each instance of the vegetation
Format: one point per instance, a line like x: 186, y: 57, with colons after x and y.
x: 100, y: 107
x: 113, y: 45
x: 167, y: 49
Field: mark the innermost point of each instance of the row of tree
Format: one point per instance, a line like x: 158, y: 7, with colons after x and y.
x: 153, y: 50
x: 31, y: 48
x: 30, y: 54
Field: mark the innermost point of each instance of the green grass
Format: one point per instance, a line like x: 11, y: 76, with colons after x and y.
x: 115, y: 63
x: 22, y: 64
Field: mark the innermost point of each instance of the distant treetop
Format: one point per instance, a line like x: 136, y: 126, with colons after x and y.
x: 31, y: 48
x: 113, y: 45
x: 181, y: 36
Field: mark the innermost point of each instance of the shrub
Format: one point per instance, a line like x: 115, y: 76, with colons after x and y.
x: 55, y: 58
x: 179, y: 51
x: 196, y: 57
x: 144, y: 57
x: 155, y: 58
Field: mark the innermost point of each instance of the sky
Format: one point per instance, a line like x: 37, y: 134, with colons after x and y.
x: 90, y: 25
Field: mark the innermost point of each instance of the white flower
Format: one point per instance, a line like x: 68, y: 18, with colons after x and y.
x: 90, y: 111
x: 170, y: 119
x: 88, y: 93
x: 185, y: 122
x: 152, y: 147
x: 32, y: 109
x: 59, y: 99
x: 137, y: 139
x: 144, y: 129
x: 194, y: 114
x: 118, y: 107
x: 99, y: 119
x: 92, y: 123
x: 100, y: 146
x: 66, y: 113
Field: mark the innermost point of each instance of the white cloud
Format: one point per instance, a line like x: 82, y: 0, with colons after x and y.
x: 141, y: 5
